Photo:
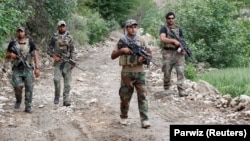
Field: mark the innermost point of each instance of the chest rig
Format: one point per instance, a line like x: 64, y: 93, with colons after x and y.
x: 62, y: 44
x: 175, y: 29
x: 131, y: 59
x: 23, y: 51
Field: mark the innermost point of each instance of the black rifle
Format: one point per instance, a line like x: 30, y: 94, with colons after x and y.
x: 66, y: 59
x: 21, y: 58
x: 139, y: 51
x: 183, y: 43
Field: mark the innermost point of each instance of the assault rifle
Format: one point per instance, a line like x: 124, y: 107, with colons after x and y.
x: 65, y: 58
x: 21, y: 58
x: 183, y: 43
x: 140, y: 51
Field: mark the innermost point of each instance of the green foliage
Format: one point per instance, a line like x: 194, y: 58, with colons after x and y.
x: 48, y: 13
x: 152, y: 21
x: 78, y: 28
x: 190, y: 71
x: 110, y: 9
x: 13, y: 13
x: 241, y: 3
x: 2, y: 54
x: 97, y: 27
x: 234, y: 81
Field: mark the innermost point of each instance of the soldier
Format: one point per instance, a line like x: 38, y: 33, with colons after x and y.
x: 62, y: 47
x: 172, y: 56
x: 132, y: 73
x: 25, y: 58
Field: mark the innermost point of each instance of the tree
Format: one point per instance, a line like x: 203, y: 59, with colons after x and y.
x: 12, y: 15
x: 213, y: 31
x: 110, y: 9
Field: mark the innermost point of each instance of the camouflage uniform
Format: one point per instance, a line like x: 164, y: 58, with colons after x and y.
x: 172, y: 58
x: 22, y: 76
x: 132, y: 76
x: 62, y: 45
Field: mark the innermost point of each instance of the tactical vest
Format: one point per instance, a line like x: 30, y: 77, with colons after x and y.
x: 62, y: 44
x: 25, y: 50
x: 131, y: 59
x: 176, y: 30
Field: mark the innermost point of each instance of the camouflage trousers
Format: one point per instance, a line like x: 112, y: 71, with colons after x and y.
x: 129, y: 81
x: 62, y: 70
x: 173, y: 59
x: 23, y: 78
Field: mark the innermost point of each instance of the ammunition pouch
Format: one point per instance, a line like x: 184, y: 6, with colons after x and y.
x: 128, y: 60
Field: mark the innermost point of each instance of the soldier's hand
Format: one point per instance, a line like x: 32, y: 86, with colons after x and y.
x: 37, y: 73
x: 141, y: 59
x: 183, y: 52
x: 13, y: 55
x: 57, y: 59
x: 177, y: 43
x: 72, y: 66
x: 125, y: 51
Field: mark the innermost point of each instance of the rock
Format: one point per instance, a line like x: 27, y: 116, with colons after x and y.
x: 41, y: 106
x: 205, y: 88
x: 3, y: 99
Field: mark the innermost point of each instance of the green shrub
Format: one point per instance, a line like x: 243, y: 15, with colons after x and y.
x: 190, y: 71
x: 78, y: 28
x: 48, y: 13
x: 97, y: 28
x: 110, y: 9
x: 13, y: 13
x: 234, y: 81
x: 152, y: 21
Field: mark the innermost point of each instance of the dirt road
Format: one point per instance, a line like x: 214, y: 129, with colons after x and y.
x: 94, y: 113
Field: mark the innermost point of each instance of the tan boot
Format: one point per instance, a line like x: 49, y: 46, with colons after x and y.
x: 123, y: 121
x: 145, y: 124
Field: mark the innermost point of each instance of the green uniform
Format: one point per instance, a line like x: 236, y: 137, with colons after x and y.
x: 63, y: 45
x: 132, y: 77
x: 22, y: 75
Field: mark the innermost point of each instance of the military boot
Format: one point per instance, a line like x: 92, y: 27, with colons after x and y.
x: 66, y: 103
x: 56, y: 100
x: 17, y: 105
x: 28, y: 109
x: 145, y: 124
x: 182, y: 91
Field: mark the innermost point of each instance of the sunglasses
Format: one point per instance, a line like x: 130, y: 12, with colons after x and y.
x: 170, y: 18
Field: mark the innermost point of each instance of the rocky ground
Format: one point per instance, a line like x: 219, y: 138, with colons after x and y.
x: 94, y: 113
